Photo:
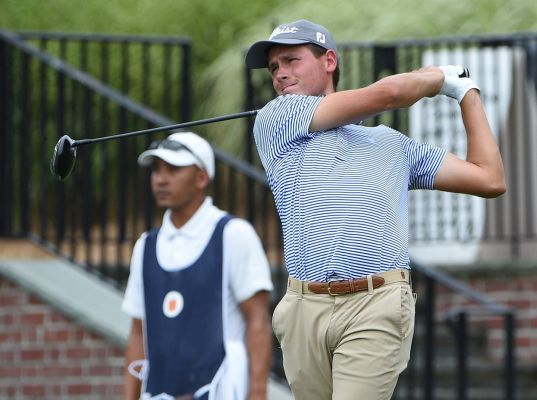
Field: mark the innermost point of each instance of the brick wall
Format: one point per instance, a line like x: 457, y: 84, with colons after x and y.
x: 516, y: 289
x: 44, y: 355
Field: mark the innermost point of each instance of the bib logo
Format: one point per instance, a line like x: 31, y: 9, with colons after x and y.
x: 173, y: 304
x: 321, y: 38
x: 283, y: 29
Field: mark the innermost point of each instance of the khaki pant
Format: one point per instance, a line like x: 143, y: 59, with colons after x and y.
x: 349, y: 347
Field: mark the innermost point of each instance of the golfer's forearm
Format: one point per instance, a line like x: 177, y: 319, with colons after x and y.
x: 482, y: 149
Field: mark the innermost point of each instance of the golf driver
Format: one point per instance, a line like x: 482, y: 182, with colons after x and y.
x: 64, y: 156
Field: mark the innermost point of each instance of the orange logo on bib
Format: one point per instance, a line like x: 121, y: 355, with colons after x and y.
x: 173, y: 304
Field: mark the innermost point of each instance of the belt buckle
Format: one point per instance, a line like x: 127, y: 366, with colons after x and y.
x: 328, y: 288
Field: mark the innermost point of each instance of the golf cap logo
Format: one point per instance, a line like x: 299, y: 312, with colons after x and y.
x: 321, y: 38
x: 283, y: 29
x: 173, y: 304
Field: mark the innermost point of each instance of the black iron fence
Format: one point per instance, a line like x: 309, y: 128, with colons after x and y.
x: 154, y: 71
x: 450, y: 321
x: 95, y: 216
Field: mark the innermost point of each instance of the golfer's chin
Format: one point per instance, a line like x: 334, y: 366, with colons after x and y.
x: 291, y: 89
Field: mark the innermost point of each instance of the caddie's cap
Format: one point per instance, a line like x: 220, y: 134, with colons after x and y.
x: 293, y: 33
x: 181, y: 149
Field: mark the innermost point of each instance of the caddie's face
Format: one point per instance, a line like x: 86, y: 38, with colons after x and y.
x: 295, y: 70
x: 177, y: 188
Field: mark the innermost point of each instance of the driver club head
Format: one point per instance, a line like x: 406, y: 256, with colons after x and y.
x: 64, y: 157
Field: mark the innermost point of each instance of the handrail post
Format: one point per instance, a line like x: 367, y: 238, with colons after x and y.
x: 6, y: 140
x: 251, y: 211
x: 509, y: 356
x: 429, y: 338
x: 461, y: 355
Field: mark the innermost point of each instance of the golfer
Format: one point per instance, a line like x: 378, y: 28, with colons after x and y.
x: 346, y: 323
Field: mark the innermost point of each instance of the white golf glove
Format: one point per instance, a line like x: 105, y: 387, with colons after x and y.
x: 456, y: 82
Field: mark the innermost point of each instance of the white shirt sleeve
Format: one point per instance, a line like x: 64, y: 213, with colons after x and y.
x: 249, y: 270
x: 133, y: 300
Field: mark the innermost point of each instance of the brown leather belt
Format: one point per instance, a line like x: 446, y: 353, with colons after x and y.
x: 349, y: 286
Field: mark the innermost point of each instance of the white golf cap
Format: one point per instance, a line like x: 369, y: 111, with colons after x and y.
x: 181, y: 149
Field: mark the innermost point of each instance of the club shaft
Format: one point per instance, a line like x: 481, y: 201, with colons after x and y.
x: 227, y: 117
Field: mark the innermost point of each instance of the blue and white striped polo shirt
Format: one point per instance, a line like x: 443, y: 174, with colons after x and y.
x: 342, y: 194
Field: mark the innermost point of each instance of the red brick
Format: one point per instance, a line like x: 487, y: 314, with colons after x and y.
x: 78, y: 352
x: 520, y: 304
x: 33, y: 354
x: 523, y: 323
x: 79, y: 388
x: 10, y: 336
x: 495, y: 323
x: 55, y: 390
x: 32, y: 318
x: 89, y: 335
x: 11, y: 299
x: 117, y: 389
x: 101, y: 370
x: 523, y: 285
x: 55, y: 317
x: 61, y: 335
x: 9, y: 319
x: 10, y: 391
x: 34, y: 300
x: 34, y: 390
x: 10, y: 371
x: 30, y: 336
x: 63, y: 371
x: 78, y: 334
x: 54, y: 354
x: 522, y: 342
x: 496, y: 286
x: 100, y: 389
x: 31, y: 371
x: 118, y: 352
x: 99, y: 352
x: 7, y: 356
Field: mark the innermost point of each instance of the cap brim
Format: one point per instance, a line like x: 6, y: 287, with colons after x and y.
x: 179, y: 158
x: 256, y: 57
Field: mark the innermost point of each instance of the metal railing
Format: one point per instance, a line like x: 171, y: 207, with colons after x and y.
x: 420, y: 380
x: 154, y: 71
x: 94, y: 217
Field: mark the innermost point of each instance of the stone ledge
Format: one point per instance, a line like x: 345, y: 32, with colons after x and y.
x: 22, y: 249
